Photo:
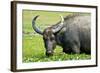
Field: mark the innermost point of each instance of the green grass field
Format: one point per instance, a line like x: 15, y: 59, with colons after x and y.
x: 33, y: 46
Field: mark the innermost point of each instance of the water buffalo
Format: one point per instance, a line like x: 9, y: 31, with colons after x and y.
x: 72, y: 33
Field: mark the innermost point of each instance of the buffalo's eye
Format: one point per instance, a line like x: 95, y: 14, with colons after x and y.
x: 52, y: 38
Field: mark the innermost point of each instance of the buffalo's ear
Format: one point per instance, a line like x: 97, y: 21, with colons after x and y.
x: 56, y: 28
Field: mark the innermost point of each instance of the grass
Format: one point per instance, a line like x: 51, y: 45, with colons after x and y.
x: 33, y: 46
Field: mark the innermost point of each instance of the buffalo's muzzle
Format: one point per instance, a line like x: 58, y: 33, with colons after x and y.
x: 49, y: 53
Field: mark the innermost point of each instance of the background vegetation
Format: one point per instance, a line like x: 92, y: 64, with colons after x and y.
x: 33, y: 46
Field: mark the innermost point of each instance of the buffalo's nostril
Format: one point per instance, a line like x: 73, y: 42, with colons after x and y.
x: 49, y: 53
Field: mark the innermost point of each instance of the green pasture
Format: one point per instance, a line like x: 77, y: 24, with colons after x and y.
x: 33, y: 46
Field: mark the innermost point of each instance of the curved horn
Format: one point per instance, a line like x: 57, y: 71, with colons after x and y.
x: 59, y: 26
x: 62, y: 19
x: 34, y: 27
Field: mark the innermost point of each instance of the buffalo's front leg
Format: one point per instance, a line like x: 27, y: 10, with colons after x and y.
x: 67, y: 50
x: 73, y: 49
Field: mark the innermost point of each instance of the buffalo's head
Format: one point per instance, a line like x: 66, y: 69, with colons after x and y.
x: 49, y: 35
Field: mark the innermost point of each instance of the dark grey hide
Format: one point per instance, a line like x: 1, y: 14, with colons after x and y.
x: 72, y: 33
